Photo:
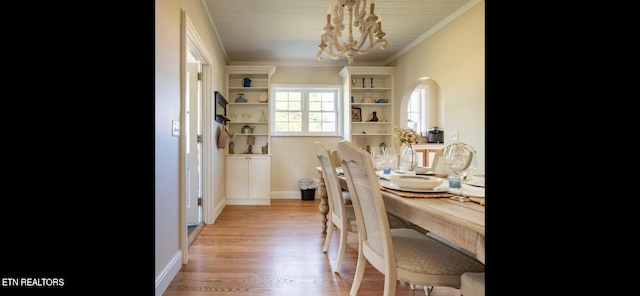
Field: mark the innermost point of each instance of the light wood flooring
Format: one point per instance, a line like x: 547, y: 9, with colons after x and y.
x: 275, y: 250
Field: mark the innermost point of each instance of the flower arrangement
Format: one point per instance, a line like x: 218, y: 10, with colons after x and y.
x: 406, y: 136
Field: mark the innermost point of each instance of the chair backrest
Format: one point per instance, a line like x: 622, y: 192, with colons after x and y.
x: 438, y: 166
x: 335, y: 159
x: 331, y: 182
x: 374, y: 233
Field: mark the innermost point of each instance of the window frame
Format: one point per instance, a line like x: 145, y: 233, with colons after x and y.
x: 306, y: 89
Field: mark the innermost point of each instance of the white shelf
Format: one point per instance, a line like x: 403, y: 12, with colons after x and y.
x: 248, y: 104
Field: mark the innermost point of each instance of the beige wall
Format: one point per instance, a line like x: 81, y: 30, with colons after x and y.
x: 454, y: 58
x: 168, y: 108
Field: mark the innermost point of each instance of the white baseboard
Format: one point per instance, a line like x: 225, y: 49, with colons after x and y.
x: 168, y: 273
x: 285, y: 195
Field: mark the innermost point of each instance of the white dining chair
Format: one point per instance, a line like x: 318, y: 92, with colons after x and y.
x: 472, y: 284
x: 400, y: 254
x: 341, y: 214
x: 438, y: 166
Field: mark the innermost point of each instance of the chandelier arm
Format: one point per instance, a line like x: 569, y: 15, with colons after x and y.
x: 334, y: 55
x: 372, y: 26
x: 334, y: 43
x: 360, y: 11
x: 366, y: 35
x: 372, y: 45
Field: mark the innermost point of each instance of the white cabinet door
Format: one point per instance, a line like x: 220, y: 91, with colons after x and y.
x: 237, y: 171
x: 248, y: 179
x: 259, y: 178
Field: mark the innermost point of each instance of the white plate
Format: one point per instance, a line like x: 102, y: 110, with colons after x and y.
x: 475, y: 183
x: 416, y: 181
x: 388, y: 184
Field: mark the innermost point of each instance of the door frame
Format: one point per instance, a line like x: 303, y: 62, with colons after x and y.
x: 190, y: 41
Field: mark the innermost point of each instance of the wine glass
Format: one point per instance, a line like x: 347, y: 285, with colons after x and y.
x: 459, y: 159
x: 473, y: 164
x: 377, y: 157
x: 390, y: 159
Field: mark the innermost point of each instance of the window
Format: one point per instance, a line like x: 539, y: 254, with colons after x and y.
x: 416, y: 111
x: 304, y: 111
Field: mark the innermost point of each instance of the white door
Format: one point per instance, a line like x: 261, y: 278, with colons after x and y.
x: 193, y: 132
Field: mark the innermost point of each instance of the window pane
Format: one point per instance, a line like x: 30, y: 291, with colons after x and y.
x: 414, y: 111
x: 303, y: 111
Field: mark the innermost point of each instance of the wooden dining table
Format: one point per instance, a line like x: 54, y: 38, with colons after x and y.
x: 460, y: 223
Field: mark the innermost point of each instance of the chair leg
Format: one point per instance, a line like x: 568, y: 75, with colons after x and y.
x: 341, y: 249
x: 390, y: 285
x: 327, y: 240
x: 427, y: 290
x: 357, y: 278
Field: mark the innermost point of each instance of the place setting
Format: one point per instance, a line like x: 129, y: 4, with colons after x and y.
x: 407, y: 185
x: 460, y: 158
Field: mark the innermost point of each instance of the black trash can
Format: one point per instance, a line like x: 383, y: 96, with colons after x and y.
x: 308, y: 188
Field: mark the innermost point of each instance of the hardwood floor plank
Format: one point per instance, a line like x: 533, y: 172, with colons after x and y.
x: 275, y: 250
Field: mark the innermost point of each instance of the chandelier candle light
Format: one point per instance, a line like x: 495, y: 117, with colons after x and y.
x: 368, y: 26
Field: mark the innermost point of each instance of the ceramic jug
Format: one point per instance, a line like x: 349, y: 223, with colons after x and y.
x: 246, y: 82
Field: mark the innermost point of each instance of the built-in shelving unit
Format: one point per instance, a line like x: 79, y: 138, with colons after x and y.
x: 254, y: 112
x: 368, y: 90
x: 248, y: 167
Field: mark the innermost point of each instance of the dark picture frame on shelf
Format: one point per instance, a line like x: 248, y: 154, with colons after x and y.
x: 356, y: 114
x: 221, y: 108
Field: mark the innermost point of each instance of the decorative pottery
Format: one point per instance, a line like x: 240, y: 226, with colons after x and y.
x: 263, y: 98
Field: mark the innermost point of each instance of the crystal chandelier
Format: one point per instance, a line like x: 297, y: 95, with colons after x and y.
x: 368, y: 26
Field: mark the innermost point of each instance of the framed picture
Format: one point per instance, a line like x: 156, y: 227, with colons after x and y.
x: 356, y: 114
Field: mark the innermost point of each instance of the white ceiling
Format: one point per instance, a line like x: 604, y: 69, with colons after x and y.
x: 287, y: 32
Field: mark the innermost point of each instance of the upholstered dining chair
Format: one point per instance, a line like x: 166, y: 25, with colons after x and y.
x: 341, y: 214
x: 400, y: 254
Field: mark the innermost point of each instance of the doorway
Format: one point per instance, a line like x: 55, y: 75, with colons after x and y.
x: 193, y: 134
x: 195, y: 139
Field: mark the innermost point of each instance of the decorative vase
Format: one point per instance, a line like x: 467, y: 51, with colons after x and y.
x: 263, y: 118
x: 374, y: 117
x: 409, y: 159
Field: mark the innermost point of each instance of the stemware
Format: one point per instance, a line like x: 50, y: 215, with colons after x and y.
x: 473, y: 164
x: 460, y: 160
x: 390, y: 159
x: 377, y: 157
